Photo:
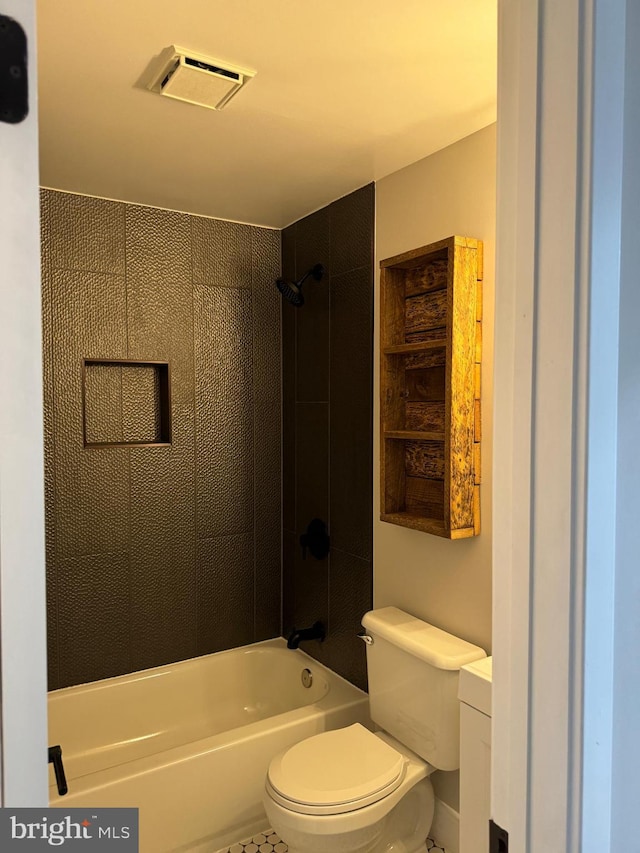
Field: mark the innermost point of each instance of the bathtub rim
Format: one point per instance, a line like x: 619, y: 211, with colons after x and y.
x: 139, y: 674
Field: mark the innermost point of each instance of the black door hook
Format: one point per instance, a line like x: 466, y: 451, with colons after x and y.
x: 14, y: 88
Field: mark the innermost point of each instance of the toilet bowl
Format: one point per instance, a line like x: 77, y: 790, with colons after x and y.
x: 350, y: 791
x: 354, y: 791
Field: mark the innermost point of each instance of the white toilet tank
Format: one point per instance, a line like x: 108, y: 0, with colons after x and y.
x: 413, y: 671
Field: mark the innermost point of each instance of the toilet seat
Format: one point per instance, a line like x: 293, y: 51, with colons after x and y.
x: 335, y: 772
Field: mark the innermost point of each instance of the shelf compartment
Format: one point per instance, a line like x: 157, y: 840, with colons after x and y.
x: 424, y: 498
x: 425, y: 417
x: 125, y: 403
x: 426, y: 277
x: 414, y: 481
x: 426, y: 312
x: 424, y: 458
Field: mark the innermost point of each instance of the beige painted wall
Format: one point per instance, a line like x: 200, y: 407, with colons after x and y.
x: 445, y: 583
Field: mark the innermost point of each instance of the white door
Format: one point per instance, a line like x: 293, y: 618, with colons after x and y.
x: 566, y: 745
x: 22, y: 574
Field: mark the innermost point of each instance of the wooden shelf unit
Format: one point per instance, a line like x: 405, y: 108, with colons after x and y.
x: 431, y: 350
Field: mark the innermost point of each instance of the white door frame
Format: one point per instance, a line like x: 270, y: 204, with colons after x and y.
x: 558, y: 560
x: 23, y: 684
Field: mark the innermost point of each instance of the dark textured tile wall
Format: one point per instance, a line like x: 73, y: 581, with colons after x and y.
x: 327, y: 351
x: 155, y: 554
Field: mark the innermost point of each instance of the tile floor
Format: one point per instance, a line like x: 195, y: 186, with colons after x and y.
x: 264, y: 842
x: 269, y: 842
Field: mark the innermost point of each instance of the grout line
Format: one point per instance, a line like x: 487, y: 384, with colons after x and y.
x: 281, y: 400
x: 351, y: 554
x: 195, y: 437
x: 353, y: 269
x: 294, y: 403
x: 329, y: 281
x: 128, y: 450
x: 295, y: 394
x: 225, y: 536
x: 126, y: 276
x: 254, y: 432
x: 54, y: 569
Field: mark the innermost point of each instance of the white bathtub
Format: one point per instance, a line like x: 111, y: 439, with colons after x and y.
x: 189, y: 743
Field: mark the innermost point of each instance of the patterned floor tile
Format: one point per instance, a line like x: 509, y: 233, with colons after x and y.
x: 269, y: 842
x: 264, y: 842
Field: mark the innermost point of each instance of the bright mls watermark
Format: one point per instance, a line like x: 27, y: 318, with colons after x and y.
x: 69, y: 829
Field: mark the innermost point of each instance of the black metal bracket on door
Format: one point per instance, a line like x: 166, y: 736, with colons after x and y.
x: 498, y: 839
x: 55, y: 758
x: 14, y: 80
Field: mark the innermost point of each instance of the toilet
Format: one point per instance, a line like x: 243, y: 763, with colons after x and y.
x: 351, y: 790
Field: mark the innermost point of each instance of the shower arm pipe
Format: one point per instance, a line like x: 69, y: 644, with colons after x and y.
x: 304, y: 277
x: 316, y: 271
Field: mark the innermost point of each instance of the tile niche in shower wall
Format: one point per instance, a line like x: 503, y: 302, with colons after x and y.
x: 158, y: 553
x: 327, y: 427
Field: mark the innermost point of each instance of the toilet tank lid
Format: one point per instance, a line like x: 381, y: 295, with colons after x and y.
x: 418, y: 638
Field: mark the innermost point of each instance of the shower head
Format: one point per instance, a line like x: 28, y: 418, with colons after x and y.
x: 292, y: 290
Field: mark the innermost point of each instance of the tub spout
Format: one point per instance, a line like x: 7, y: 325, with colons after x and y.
x: 316, y: 632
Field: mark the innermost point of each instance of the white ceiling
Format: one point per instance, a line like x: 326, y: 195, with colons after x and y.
x: 347, y: 91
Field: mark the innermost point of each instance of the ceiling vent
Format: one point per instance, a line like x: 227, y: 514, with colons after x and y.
x: 198, y: 79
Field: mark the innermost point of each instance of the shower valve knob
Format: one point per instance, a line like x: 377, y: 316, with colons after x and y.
x: 316, y: 540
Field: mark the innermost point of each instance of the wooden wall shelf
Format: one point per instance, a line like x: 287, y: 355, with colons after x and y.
x: 431, y: 349
x: 423, y: 346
